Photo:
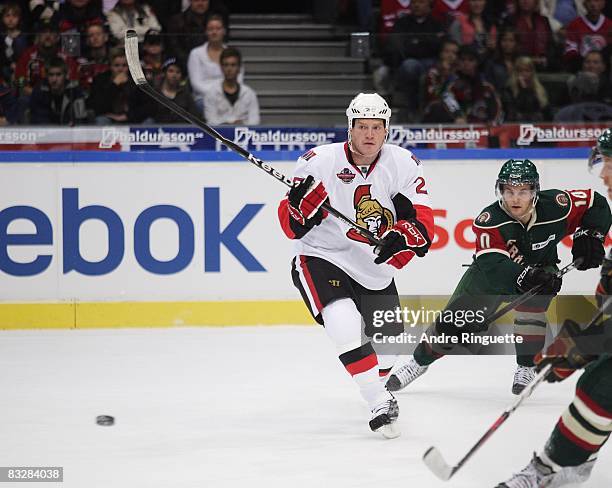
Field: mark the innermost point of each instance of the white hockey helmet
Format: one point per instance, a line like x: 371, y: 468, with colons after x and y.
x: 368, y: 106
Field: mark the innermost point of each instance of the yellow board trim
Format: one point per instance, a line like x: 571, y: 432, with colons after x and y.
x: 90, y: 315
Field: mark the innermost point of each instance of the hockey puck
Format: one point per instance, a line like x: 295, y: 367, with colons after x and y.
x: 105, y: 420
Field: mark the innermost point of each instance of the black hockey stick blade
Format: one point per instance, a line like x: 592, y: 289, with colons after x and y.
x: 433, y: 457
x: 133, y: 60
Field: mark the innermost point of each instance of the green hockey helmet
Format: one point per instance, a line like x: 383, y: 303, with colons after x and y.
x: 603, y: 148
x: 516, y: 172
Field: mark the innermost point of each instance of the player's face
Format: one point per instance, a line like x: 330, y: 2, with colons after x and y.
x: 477, y: 6
x: 199, y: 6
x: 173, y: 75
x: 10, y: 19
x: 215, y: 32
x: 230, y: 67
x: 368, y: 136
x: 594, y: 7
x: 606, y: 174
x: 518, y: 199
x: 119, y: 65
x: 96, y: 37
x: 593, y: 63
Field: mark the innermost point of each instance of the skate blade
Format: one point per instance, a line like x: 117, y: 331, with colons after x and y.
x: 390, y: 431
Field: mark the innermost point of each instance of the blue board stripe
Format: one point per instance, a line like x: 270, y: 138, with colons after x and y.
x: 217, y: 156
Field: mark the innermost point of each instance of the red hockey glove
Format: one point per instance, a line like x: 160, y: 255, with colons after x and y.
x: 305, y: 199
x: 564, y: 354
x: 401, y: 242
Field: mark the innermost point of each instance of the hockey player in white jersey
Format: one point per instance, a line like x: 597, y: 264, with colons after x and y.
x: 341, y: 276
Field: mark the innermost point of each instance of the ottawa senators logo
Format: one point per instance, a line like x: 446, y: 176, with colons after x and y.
x: 369, y: 213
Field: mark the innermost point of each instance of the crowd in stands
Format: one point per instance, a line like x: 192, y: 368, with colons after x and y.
x: 442, y: 61
x: 480, y: 61
x: 63, y: 62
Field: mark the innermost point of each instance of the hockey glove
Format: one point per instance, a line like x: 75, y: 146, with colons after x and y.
x: 588, y: 245
x: 531, y: 277
x: 564, y: 353
x: 305, y: 200
x: 401, y: 242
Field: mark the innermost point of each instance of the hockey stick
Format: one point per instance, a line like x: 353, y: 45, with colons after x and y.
x: 526, y: 296
x: 433, y: 457
x: 600, y: 313
x: 133, y: 60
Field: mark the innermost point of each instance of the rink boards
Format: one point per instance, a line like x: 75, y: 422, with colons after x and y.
x: 97, y: 242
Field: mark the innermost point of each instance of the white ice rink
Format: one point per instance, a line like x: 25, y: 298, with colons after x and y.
x: 250, y: 407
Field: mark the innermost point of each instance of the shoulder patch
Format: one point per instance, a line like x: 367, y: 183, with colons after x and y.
x: 562, y: 200
x: 308, y: 155
x: 483, y: 218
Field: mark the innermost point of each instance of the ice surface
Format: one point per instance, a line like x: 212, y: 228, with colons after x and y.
x: 250, y: 407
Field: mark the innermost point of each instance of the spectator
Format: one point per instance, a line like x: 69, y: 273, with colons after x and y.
x: 525, y: 99
x: 153, y: 56
x: 498, y: 69
x: 13, y: 40
x: 561, y: 12
x: 57, y: 101
x: 474, y: 28
x: 469, y: 98
x: 440, y: 76
x: 97, y: 60
x: 131, y: 14
x: 592, y: 32
x: 534, y: 33
x: 204, y: 62
x: 390, y: 11
x: 110, y: 91
x: 413, y: 49
x: 189, y: 27
x: 97, y: 43
x: 31, y: 65
x: 8, y: 104
x: 73, y: 17
x: 586, y: 107
x: 594, y: 62
x: 228, y: 101
x: 174, y: 87
x: 164, y: 10
x: 43, y: 10
x: 445, y: 11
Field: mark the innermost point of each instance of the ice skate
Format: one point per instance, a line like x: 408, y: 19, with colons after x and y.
x: 384, y: 416
x: 405, y: 375
x: 522, y: 377
x: 538, y: 474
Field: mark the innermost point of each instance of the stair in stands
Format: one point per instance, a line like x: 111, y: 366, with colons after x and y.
x: 320, y: 117
x: 301, y: 70
x: 336, y: 99
x: 303, y: 65
x: 317, y: 84
x: 291, y: 48
x: 286, y: 31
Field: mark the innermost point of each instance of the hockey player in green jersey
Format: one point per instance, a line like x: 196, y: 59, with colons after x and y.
x: 571, y: 450
x: 516, y: 250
